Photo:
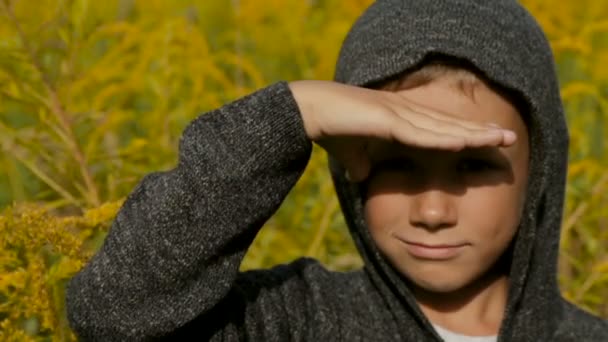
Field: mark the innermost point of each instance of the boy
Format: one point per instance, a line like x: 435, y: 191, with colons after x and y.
x: 457, y: 220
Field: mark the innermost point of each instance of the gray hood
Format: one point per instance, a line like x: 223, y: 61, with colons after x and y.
x: 503, y: 41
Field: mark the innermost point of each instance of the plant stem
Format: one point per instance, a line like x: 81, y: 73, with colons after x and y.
x: 314, y: 246
x: 58, y: 110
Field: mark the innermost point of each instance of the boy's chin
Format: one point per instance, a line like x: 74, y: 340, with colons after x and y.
x: 455, y: 285
x: 443, y: 286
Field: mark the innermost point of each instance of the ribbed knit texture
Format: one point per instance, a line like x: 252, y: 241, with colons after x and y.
x: 168, y: 268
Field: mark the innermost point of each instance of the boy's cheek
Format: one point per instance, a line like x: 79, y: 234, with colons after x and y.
x: 443, y: 276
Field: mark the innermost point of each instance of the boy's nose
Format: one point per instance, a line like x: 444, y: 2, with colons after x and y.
x: 433, y: 210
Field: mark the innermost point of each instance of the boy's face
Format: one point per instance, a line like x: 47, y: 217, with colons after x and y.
x: 444, y: 218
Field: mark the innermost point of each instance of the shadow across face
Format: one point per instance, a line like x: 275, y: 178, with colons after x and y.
x: 411, y: 171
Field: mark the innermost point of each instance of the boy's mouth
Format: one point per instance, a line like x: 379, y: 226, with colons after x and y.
x: 440, y: 251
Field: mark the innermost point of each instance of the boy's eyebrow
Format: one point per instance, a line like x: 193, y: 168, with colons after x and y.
x: 497, y: 154
x: 386, y: 151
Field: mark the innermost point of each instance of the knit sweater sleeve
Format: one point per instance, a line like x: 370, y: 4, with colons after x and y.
x: 172, y: 254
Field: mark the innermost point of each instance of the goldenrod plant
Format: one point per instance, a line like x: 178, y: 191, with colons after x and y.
x: 95, y: 94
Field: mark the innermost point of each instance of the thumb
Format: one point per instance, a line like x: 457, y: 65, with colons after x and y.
x: 357, y: 167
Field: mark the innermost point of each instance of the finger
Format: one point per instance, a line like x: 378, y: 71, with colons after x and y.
x: 406, y: 133
x: 449, y: 118
x: 475, y: 134
x: 417, y: 109
x: 454, y: 133
x: 442, y: 123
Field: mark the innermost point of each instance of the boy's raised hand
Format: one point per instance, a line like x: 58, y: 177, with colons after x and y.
x: 343, y: 119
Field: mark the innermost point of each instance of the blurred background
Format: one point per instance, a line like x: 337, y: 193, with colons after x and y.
x: 95, y: 94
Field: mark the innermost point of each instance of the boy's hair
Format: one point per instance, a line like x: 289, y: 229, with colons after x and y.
x: 463, y: 78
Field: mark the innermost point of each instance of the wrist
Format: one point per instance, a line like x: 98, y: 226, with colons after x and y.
x: 302, y: 93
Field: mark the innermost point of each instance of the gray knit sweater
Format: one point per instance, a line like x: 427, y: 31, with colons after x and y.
x: 168, y: 268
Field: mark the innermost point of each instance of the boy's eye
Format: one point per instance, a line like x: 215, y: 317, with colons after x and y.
x: 470, y: 165
x: 399, y: 165
x: 476, y: 165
